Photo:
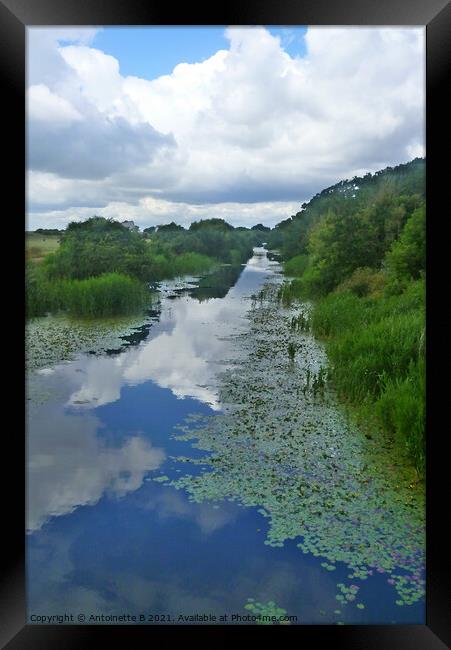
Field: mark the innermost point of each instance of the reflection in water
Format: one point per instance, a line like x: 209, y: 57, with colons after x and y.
x: 184, y: 352
x: 217, y: 284
x: 170, y: 504
x: 70, y: 466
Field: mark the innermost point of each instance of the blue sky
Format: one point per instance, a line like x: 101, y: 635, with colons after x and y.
x: 150, y: 52
x: 256, y: 121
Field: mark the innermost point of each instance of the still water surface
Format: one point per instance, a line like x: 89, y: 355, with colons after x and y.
x: 103, y: 537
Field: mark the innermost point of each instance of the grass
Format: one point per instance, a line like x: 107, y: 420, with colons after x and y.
x: 296, y: 266
x: 37, y: 246
x: 105, y: 295
x: 376, y: 350
x: 191, y: 264
x: 163, y: 267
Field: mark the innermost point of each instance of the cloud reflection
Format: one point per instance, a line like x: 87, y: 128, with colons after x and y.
x: 170, y: 503
x: 69, y: 466
x: 189, y: 348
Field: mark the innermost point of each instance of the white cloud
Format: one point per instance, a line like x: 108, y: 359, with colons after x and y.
x: 250, y: 124
x: 45, y: 106
x: 148, y: 211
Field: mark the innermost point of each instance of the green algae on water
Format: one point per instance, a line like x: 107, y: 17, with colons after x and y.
x: 284, y: 446
x: 54, y: 339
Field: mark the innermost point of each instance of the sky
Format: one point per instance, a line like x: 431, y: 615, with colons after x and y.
x: 161, y: 124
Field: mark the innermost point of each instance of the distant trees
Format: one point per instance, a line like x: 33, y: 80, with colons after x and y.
x: 169, y: 227
x: 208, y: 224
x: 261, y: 227
x: 48, y: 231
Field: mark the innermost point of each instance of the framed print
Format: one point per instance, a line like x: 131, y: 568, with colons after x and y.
x: 228, y: 404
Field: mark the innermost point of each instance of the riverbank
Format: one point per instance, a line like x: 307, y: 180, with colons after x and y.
x: 376, y: 347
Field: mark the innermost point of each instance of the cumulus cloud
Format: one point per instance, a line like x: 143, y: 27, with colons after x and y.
x: 250, y: 124
x: 90, y: 149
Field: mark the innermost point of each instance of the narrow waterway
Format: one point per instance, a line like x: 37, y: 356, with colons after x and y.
x: 200, y: 467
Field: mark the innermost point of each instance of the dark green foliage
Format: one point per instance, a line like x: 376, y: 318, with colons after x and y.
x: 48, y: 231
x: 96, y: 246
x: 407, y: 257
x: 170, y: 227
x: 291, y: 350
x: 261, y: 227
x: 351, y: 224
x: 207, y: 224
x: 212, y: 238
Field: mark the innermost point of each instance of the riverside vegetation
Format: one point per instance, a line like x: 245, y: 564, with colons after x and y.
x: 101, y: 268
x: 358, y: 250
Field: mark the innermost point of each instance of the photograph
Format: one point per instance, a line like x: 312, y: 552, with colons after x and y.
x: 225, y: 325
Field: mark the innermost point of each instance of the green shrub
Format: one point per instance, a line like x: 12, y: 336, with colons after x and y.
x: 296, y: 266
x: 407, y: 256
x: 364, y: 282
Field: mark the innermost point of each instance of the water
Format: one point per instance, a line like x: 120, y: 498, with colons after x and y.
x: 104, y: 538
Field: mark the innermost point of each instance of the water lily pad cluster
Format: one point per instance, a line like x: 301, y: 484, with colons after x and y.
x: 52, y: 339
x: 289, y: 450
x: 266, y: 612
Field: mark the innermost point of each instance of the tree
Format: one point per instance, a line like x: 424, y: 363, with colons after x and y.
x: 170, y: 227
x: 210, y: 223
x: 407, y: 257
x: 95, y: 246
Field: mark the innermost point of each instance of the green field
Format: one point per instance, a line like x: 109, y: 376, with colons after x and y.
x: 37, y: 245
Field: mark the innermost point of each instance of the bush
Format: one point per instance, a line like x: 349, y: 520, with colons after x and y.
x: 364, y: 282
x: 407, y: 257
x: 337, y: 313
x: 296, y: 266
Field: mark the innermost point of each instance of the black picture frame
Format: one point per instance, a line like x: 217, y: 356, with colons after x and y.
x: 435, y: 15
